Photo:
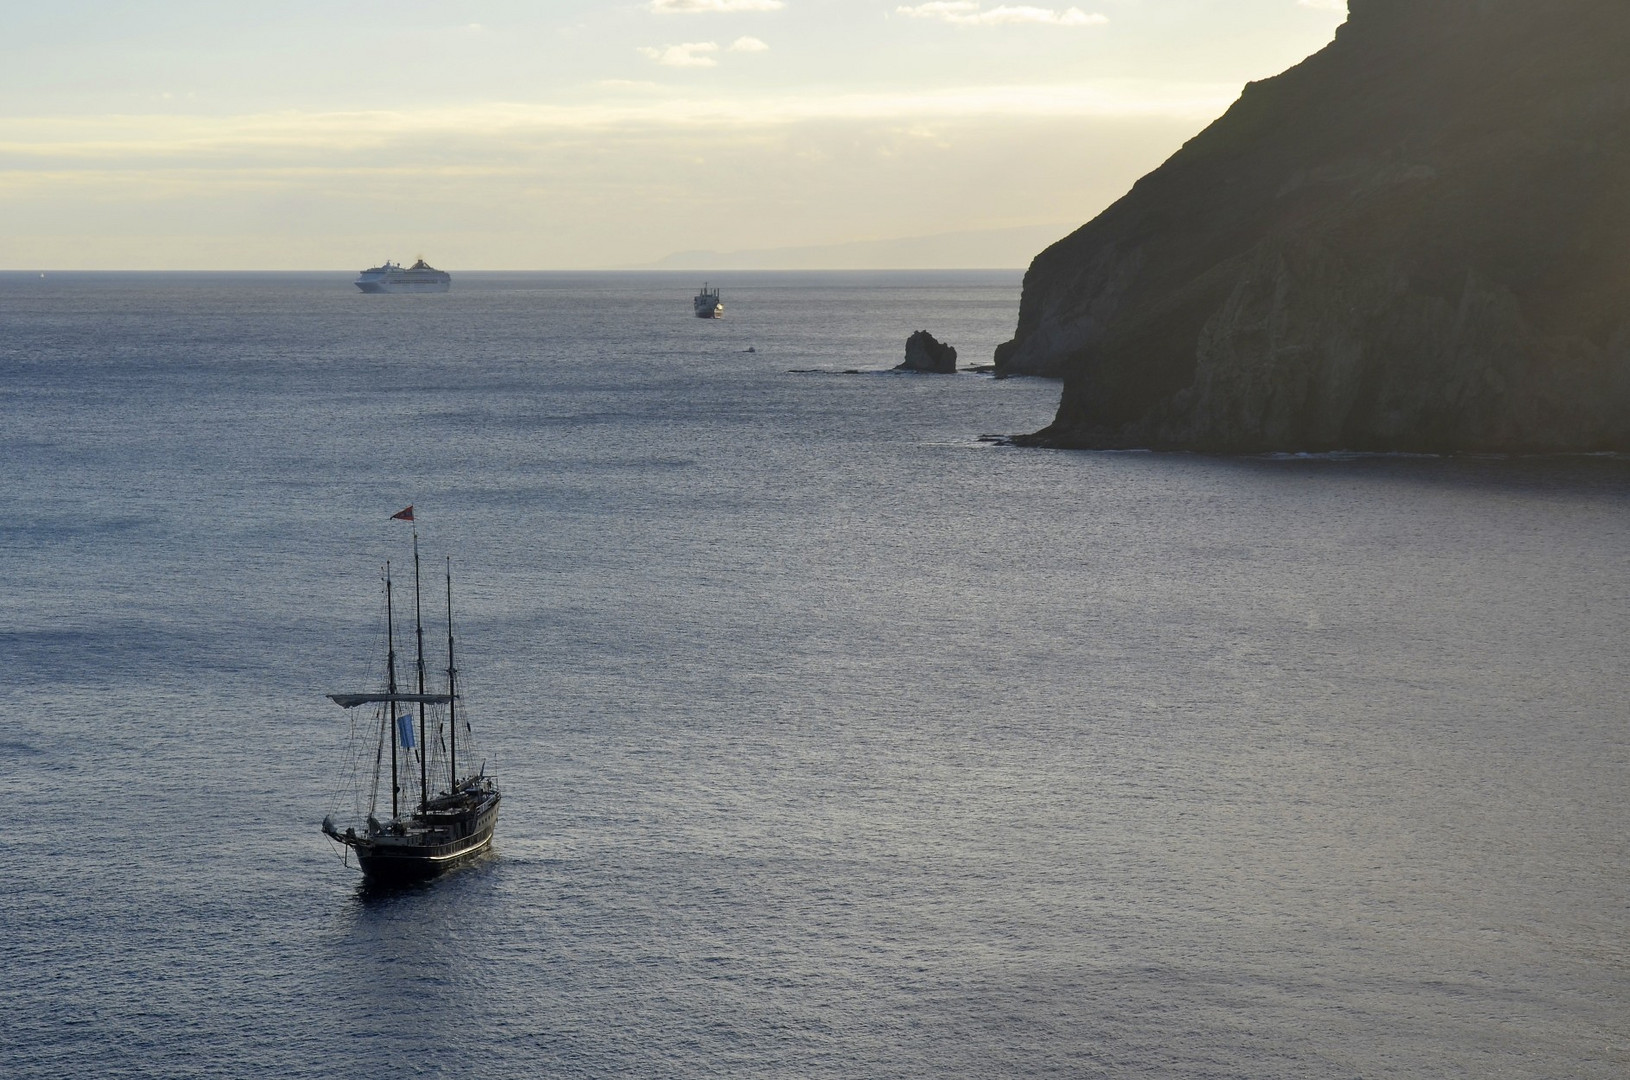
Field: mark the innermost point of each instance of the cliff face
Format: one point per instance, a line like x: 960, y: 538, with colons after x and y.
x: 1417, y: 239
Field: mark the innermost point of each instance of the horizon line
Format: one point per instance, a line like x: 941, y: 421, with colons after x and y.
x: 43, y: 271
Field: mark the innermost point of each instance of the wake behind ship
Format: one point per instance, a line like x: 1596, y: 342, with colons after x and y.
x: 453, y: 816
x: 421, y: 277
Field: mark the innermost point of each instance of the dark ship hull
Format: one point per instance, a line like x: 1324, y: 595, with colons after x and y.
x: 428, y: 843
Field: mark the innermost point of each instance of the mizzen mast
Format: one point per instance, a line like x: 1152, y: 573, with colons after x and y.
x: 418, y: 624
x: 452, y: 689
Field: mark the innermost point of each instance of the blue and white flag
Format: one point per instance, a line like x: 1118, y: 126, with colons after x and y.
x: 404, y: 731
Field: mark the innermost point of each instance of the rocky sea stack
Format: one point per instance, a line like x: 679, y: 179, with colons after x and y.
x: 924, y: 352
x: 1417, y: 239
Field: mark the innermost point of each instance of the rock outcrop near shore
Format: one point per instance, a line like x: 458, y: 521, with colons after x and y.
x: 926, y: 353
x: 1417, y: 239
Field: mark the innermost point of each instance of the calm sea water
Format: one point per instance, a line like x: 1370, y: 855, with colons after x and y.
x: 835, y: 742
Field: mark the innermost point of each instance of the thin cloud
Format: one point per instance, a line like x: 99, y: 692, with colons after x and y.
x: 748, y: 44
x: 693, y: 54
x: 711, y: 7
x: 28, y: 143
x: 968, y: 13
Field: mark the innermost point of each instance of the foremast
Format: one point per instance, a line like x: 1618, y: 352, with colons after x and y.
x: 391, y: 722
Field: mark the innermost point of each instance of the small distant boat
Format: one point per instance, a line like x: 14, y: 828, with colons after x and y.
x: 708, y: 304
x: 421, y: 277
x: 454, y: 815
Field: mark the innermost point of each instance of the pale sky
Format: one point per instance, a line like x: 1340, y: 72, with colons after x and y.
x: 542, y: 134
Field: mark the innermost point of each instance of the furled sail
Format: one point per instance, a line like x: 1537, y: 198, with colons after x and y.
x: 351, y: 701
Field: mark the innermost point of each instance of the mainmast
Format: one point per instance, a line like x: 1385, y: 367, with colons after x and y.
x: 452, y: 688
x: 390, y: 668
x: 418, y: 623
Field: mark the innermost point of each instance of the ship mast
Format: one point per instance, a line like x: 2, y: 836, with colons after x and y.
x: 452, y: 688
x: 418, y: 623
x: 390, y: 668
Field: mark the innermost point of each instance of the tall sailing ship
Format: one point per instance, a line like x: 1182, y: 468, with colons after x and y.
x: 447, y: 817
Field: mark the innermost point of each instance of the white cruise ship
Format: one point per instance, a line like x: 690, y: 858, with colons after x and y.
x: 421, y: 277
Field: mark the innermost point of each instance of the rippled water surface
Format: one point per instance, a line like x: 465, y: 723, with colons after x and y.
x: 835, y: 741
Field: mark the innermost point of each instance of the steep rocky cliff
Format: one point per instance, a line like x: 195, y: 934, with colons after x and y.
x: 1417, y: 239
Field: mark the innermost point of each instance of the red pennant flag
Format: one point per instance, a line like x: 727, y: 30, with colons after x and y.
x: 405, y: 515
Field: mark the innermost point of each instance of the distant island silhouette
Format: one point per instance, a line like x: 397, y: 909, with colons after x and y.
x: 974, y: 248
x: 1417, y: 239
